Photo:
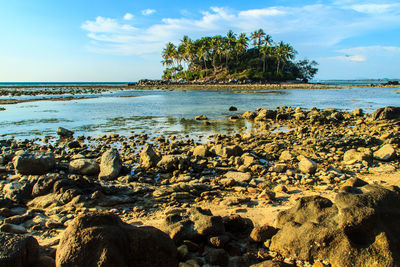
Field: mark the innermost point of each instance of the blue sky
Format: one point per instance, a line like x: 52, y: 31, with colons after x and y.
x: 101, y: 40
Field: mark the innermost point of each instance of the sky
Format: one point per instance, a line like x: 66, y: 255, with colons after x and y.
x: 122, y: 40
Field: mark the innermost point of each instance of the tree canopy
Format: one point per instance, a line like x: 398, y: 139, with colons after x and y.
x: 234, y: 56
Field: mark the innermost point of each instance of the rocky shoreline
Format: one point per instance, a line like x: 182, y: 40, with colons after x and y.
x: 304, y: 188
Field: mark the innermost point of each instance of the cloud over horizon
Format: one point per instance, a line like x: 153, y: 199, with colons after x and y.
x: 313, y: 27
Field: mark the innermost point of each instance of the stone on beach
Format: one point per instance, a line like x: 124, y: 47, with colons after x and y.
x: 385, y: 153
x: 307, y: 165
x: 63, y: 132
x: 352, y: 156
x: 110, y: 165
x: 359, y: 229
x: 36, y: 162
x: 84, y: 166
x: 148, y: 157
x: 18, y: 250
x: 104, y: 240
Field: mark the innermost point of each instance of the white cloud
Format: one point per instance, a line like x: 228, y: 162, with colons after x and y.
x: 255, y: 13
x: 128, y: 16
x: 105, y: 25
x: 148, y: 11
x: 306, y: 27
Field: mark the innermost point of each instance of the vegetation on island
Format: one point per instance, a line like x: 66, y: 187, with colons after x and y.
x: 237, y: 57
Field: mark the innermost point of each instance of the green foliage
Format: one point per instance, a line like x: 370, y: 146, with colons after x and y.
x: 229, y: 57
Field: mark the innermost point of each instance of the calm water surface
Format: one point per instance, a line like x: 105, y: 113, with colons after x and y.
x: 172, y: 112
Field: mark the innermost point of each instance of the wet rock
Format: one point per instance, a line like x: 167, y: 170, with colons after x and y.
x: 387, y: 113
x: 172, y: 162
x: 84, y: 167
x: 104, y: 240
x: 201, y: 118
x: 18, y: 250
x: 148, y: 157
x: 110, y: 165
x: 352, y: 156
x: 248, y: 115
x: 358, y: 112
x: 361, y: 228
x: 385, y: 153
x: 63, y: 132
x: 265, y: 114
x: 241, y: 177
x: 307, y: 165
x: 34, y: 162
x: 232, y: 108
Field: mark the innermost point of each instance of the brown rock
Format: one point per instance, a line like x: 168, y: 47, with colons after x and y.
x: 104, y: 240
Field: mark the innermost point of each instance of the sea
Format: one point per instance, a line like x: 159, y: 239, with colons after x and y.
x: 170, y: 112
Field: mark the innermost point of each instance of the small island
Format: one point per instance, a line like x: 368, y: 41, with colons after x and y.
x: 235, y: 57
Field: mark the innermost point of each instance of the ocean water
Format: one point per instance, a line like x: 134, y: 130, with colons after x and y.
x: 171, y: 112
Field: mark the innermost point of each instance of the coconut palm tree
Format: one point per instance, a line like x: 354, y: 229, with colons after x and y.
x: 257, y: 37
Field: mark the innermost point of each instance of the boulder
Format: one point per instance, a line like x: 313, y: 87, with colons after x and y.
x: 232, y: 108
x: 84, y: 166
x: 17, y: 191
x: 205, y: 223
x: 352, y: 156
x: 359, y: 229
x: 201, y: 151
x: 262, y: 233
x: 387, y: 113
x: 62, y: 132
x: 110, y: 165
x: 96, y: 239
x: 34, y: 162
x: 385, y: 153
x: 18, y: 250
x: 172, y: 162
x: 148, y: 157
x: 307, y: 165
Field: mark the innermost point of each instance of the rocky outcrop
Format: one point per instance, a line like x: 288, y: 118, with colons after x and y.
x: 387, y: 113
x: 110, y: 165
x: 18, y: 250
x: 359, y: 229
x: 34, y: 162
x: 104, y: 240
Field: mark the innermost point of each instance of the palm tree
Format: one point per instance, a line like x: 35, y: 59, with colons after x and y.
x: 257, y: 38
x: 230, y: 45
x: 169, y: 54
x: 266, y: 49
x: 284, y: 52
x: 241, y: 44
